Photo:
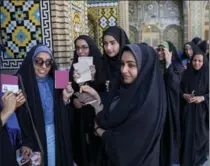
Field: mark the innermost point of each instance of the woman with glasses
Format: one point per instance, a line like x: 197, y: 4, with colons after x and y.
x: 84, y: 141
x: 47, y: 108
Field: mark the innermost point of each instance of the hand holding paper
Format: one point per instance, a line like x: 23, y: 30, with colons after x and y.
x: 67, y: 92
x: 9, y: 83
x: 92, y: 92
x: 9, y: 102
x: 34, y: 160
x: 83, y: 72
x: 20, y: 99
x: 85, y: 98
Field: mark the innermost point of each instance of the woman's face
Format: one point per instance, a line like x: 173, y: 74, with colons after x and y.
x: 111, y: 45
x: 129, y: 68
x: 160, y: 52
x: 197, y: 62
x: 188, y: 51
x: 42, y: 64
x: 82, y: 48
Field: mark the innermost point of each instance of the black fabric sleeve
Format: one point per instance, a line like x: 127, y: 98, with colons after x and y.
x: 26, y: 127
x: 172, y: 77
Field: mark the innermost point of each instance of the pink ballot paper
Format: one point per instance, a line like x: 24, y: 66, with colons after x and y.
x: 8, y: 83
x: 61, y: 79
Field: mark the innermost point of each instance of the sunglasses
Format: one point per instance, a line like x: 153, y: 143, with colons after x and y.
x: 160, y: 49
x: 40, y: 62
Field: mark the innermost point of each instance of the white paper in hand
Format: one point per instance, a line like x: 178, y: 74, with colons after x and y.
x: 84, y: 71
x: 88, y: 60
x: 11, y: 88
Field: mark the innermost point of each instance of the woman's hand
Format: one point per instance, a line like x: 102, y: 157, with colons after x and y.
x: 91, y: 91
x: 168, y: 56
x: 187, y: 97
x: 20, y: 99
x: 67, y: 92
x: 193, y: 99
x: 97, y: 105
x: 9, y: 106
x: 99, y: 131
x: 77, y: 104
x: 26, y: 152
x: 197, y: 99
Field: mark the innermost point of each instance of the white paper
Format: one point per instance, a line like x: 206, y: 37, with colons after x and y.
x: 12, y: 88
x: 84, y: 71
x: 88, y: 60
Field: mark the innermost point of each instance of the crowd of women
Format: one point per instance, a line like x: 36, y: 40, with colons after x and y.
x: 151, y: 109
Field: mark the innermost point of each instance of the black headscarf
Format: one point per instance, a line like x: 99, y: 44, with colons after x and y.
x: 83, y: 119
x: 113, y: 63
x: 134, y: 126
x: 195, y: 117
x: 170, y: 141
x: 196, y: 40
x: 94, y: 52
x: 204, y: 47
x: 194, y: 47
x: 62, y: 123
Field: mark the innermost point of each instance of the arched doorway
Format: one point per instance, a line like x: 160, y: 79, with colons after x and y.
x: 92, y: 30
x: 133, y: 34
x: 173, y: 33
x: 151, y: 35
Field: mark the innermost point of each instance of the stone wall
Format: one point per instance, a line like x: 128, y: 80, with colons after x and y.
x: 69, y: 20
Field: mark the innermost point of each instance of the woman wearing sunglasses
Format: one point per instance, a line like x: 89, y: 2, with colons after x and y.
x: 47, y: 109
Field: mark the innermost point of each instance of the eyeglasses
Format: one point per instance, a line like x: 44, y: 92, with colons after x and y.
x: 40, y: 62
x: 82, y: 48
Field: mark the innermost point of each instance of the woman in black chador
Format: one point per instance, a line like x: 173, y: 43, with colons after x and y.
x: 195, y: 112
x: 131, y: 127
